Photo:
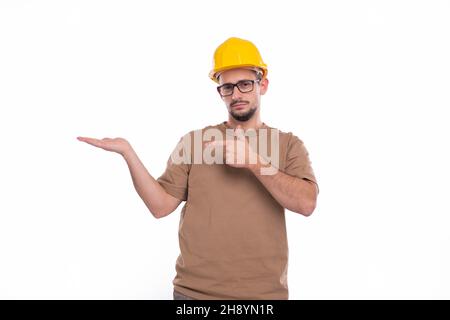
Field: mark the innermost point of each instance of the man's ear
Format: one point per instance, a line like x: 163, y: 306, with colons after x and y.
x: 264, y: 85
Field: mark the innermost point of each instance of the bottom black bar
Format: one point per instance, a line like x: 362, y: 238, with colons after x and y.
x: 224, y: 309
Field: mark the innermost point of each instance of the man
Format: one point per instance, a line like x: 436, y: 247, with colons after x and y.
x: 232, y: 231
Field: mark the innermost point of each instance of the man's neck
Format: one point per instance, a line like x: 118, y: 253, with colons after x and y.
x: 254, y: 123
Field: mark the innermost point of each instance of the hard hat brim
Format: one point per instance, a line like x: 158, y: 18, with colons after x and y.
x: 214, y: 74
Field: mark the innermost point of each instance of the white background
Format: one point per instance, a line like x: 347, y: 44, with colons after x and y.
x: 365, y: 84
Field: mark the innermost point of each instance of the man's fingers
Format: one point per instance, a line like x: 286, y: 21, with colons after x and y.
x: 217, y: 143
x: 92, y: 141
x: 239, y: 132
x: 88, y: 140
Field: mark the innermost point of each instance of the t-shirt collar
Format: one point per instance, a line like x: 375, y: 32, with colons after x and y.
x: 226, y: 126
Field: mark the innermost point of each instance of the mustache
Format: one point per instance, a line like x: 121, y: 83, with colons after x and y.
x: 238, y: 101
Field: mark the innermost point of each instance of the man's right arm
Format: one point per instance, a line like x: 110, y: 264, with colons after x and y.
x: 157, y: 200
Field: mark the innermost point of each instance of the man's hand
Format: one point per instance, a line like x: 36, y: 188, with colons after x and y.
x: 118, y: 145
x: 157, y: 200
x: 238, y: 153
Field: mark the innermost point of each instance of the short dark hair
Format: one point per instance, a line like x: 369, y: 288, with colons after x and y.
x: 259, y: 74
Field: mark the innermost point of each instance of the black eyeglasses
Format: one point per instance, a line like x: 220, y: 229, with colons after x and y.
x: 244, y: 86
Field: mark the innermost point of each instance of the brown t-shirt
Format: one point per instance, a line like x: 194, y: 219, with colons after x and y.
x: 232, y: 232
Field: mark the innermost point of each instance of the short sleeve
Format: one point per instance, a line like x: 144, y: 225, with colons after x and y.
x: 298, y: 163
x: 175, y: 178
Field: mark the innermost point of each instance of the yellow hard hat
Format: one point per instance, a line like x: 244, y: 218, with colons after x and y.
x: 236, y: 53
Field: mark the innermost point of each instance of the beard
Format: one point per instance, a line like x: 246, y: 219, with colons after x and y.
x: 243, y: 116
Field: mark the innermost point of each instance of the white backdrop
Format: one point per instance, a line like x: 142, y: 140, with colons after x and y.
x: 365, y: 84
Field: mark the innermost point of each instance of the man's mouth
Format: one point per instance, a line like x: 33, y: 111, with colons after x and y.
x: 237, y: 105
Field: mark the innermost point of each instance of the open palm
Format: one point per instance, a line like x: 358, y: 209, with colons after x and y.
x: 119, y: 145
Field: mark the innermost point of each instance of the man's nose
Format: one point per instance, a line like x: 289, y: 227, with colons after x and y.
x: 236, y: 93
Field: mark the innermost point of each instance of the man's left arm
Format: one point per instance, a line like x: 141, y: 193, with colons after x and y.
x: 295, y: 194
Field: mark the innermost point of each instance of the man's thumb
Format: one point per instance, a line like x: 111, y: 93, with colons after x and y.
x: 239, y: 132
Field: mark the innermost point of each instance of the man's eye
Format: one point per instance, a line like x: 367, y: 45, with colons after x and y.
x: 245, y: 84
x: 227, y: 87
